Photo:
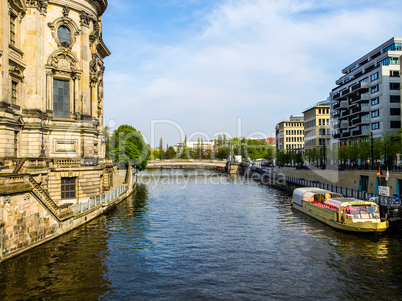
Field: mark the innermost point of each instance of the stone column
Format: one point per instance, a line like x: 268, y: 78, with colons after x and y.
x: 94, y: 102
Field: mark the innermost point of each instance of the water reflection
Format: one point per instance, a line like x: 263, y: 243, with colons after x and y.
x: 68, y: 268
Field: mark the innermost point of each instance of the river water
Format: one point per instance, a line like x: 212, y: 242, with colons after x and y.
x: 197, y: 235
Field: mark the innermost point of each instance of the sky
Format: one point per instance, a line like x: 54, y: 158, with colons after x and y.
x: 203, y: 68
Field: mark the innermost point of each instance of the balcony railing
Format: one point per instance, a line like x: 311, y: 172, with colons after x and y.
x: 344, y: 92
x: 359, y: 109
x: 336, y: 96
x: 361, y: 132
x: 345, y: 113
x: 356, y: 133
x: 359, y: 86
x: 345, y: 135
x: 356, y: 121
x: 360, y: 97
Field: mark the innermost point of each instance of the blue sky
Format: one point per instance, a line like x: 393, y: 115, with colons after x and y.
x: 204, y: 67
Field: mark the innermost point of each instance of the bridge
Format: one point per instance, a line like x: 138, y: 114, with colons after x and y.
x: 187, y: 164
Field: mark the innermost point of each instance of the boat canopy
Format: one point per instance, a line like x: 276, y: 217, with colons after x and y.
x: 307, y: 193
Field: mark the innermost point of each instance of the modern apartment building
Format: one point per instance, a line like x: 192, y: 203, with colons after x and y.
x: 367, y: 97
x: 317, y: 126
x: 290, y: 134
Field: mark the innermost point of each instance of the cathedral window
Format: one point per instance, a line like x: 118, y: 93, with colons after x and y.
x: 12, y: 30
x: 61, y: 96
x: 14, y: 92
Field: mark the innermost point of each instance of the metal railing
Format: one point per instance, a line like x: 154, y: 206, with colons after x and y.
x: 97, y: 200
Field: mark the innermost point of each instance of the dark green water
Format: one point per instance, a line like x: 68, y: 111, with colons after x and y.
x: 190, y: 237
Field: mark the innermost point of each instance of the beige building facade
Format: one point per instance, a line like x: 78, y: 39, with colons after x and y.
x: 53, y: 172
x: 290, y: 134
x: 51, y: 106
x: 52, y: 78
x: 317, y: 126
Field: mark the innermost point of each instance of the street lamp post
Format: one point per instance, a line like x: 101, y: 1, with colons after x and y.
x: 42, y: 149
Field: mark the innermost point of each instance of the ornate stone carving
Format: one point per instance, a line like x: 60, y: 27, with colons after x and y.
x: 17, y: 8
x: 63, y: 61
x: 16, y: 70
x: 96, y: 69
x: 85, y: 19
x: 66, y: 11
x: 68, y: 22
x: 40, y: 5
x: 95, y: 34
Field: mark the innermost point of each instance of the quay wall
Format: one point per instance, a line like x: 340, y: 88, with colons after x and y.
x: 343, y: 178
x: 26, y: 222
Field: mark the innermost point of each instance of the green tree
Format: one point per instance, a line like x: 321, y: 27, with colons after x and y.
x: 221, y: 153
x: 170, y: 153
x: 128, y: 146
x: 161, y: 153
x: 364, y: 150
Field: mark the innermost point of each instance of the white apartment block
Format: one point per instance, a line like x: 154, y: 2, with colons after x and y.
x: 367, y: 97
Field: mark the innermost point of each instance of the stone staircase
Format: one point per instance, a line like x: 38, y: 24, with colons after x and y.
x: 60, y: 213
x: 19, y: 166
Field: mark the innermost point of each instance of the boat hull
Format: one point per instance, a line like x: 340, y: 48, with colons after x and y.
x: 361, y: 227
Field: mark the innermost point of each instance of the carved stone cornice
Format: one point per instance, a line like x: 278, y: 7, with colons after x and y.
x: 18, y: 8
x: 101, y: 4
x: 40, y: 5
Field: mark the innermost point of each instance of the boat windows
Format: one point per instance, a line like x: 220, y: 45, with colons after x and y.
x: 362, y: 211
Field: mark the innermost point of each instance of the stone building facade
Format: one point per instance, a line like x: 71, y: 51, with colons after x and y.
x: 53, y: 171
x: 51, y: 106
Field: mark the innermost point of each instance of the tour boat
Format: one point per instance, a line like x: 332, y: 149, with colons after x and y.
x: 342, y: 213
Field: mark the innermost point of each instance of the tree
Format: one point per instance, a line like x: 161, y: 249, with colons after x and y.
x: 170, y: 153
x: 128, y: 146
x: 221, y: 153
x: 161, y: 154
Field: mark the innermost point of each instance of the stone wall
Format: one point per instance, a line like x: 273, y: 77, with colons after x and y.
x: 27, y: 222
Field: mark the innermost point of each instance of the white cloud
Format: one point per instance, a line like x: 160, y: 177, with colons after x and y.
x: 262, y: 60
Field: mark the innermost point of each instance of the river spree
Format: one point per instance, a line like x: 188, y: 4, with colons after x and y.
x: 187, y: 236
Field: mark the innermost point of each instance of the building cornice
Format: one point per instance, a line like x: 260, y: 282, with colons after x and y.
x: 102, y: 4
